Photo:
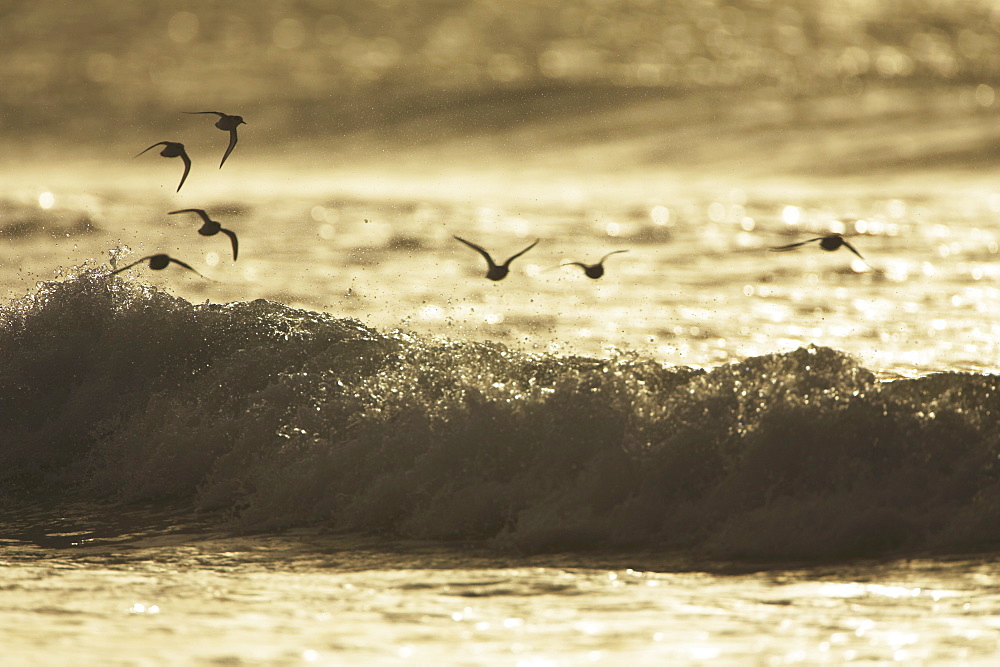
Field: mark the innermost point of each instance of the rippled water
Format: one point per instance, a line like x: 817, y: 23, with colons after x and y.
x: 255, y: 484
x: 698, y: 285
x: 308, y: 600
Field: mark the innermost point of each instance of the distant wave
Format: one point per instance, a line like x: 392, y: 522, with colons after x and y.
x: 117, y: 392
x: 22, y: 221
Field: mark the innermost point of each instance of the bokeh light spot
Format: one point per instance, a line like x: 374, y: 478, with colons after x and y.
x: 553, y: 64
x: 289, y: 34
x: 183, y: 27
x: 985, y: 95
x: 716, y: 212
x: 661, y: 215
x: 791, y: 215
x: 896, y: 208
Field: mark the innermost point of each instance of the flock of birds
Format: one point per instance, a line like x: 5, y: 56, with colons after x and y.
x: 496, y: 271
x: 230, y: 123
x: 209, y: 227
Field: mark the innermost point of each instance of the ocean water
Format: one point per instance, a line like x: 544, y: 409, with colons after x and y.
x: 350, y: 447
x: 329, y: 454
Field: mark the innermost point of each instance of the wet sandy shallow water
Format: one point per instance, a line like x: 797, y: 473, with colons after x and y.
x: 302, y: 599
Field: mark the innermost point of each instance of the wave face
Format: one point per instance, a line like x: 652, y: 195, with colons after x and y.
x: 112, y: 391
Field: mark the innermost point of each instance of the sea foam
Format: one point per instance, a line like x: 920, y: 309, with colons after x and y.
x: 115, y: 392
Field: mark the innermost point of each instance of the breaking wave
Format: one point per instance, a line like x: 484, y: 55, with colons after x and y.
x: 271, y: 417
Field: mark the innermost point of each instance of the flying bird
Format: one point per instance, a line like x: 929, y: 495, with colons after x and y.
x: 226, y: 123
x: 594, y: 271
x: 174, y: 149
x: 496, y: 271
x: 829, y: 242
x: 157, y: 262
x: 211, y: 227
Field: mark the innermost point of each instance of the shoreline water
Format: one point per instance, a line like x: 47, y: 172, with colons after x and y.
x: 289, y: 418
x: 257, y: 600
x: 114, y: 532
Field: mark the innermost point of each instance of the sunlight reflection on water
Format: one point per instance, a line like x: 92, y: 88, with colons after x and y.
x: 299, y: 607
x: 803, y: 297
x: 695, y: 135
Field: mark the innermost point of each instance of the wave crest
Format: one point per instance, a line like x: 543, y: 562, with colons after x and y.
x: 285, y: 417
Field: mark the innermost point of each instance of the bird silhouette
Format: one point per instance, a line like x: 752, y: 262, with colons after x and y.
x: 157, y: 262
x: 496, y: 271
x: 174, y: 149
x: 594, y: 271
x: 226, y: 123
x: 830, y: 242
x: 210, y: 227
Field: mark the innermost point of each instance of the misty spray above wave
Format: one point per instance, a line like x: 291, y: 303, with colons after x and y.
x: 114, y: 391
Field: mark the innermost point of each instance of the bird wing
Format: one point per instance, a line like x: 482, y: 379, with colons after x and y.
x: 232, y: 145
x: 795, y: 245
x: 187, y: 168
x: 486, y: 255
x: 852, y: 249
x: 217, y: 113
x: 232, y: 237
x: 200, y: 212
x: 513, y: 257
x: 158, y: 143
x: 129, y: 266
x: 185, y: 265
x: 613, y: 252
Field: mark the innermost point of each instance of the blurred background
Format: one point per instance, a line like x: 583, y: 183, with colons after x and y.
x: 339, y: 74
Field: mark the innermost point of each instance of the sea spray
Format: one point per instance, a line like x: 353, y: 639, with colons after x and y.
x: 119, y: 393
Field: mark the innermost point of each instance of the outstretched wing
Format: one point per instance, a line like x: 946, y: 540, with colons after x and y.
x: 232, y: 237
x: 232, y: 145
x: 200, y: 212
x: 185, y: 265
x: 486, y: 255
x: 580, y: 264
x: 158, y: 143
x: 187, y: 168
x: 129, y: 266
x: 513, y: 257
x: 613, y: 252
x: 852, y: 249
x: 792, y: 246
x: 217, y: 113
